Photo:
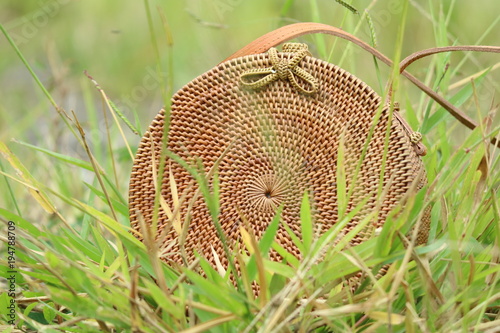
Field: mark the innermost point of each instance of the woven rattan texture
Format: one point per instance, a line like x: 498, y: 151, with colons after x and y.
x: 272, y: 145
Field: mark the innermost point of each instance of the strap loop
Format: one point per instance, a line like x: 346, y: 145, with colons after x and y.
x: 415, y: 137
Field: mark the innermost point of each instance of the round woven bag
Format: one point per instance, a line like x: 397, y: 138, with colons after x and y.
x: 270, y: 126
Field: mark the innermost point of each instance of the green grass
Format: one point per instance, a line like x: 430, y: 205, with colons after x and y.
x: 66, y: 150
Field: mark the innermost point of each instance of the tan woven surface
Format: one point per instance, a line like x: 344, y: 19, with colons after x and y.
x: 273, y: 143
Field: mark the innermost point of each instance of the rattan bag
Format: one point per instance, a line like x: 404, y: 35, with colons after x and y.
x: 270, y: 125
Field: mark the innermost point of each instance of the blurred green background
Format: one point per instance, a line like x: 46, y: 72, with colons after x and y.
x: 112, y: 41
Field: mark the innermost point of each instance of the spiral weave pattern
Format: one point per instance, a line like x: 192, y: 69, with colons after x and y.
x: 269, y: 146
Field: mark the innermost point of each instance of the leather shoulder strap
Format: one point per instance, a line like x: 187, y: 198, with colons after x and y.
x: 427, y: 52
x: 283, y: 34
